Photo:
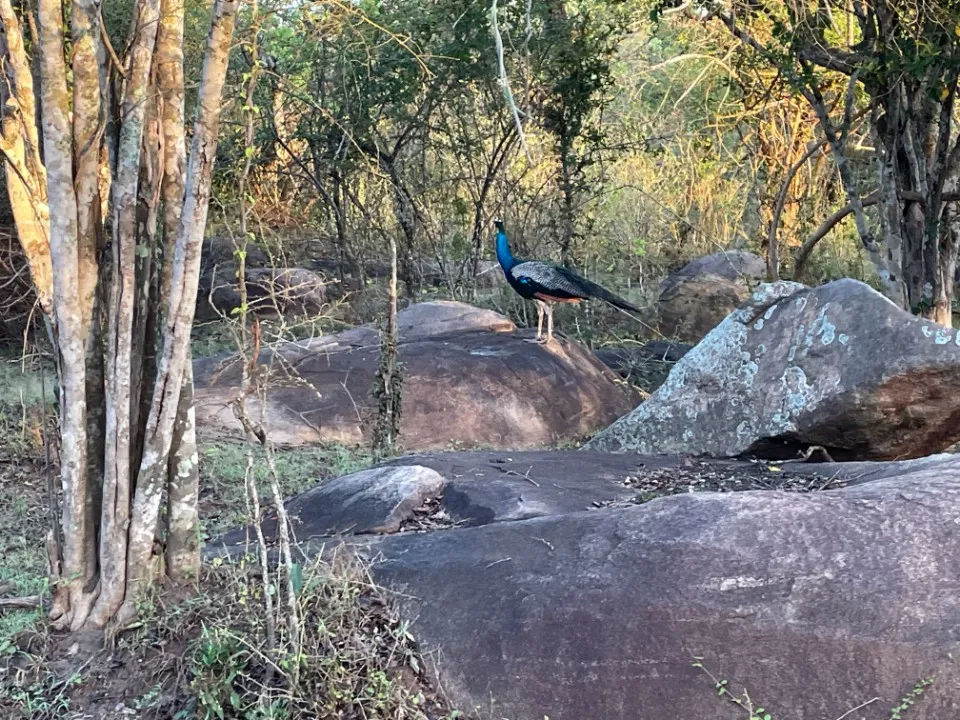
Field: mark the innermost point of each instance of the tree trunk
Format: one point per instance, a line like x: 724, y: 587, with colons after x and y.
x: 182, y: 302
x: 388, y: 391
x: 182, y: 559
x: 406, y: 214
x: 183, y: 536
x: 567, y: 202
x: 58, y: 153
x: 107, y: 438
x: 917, y: 165
x: 120, y: 452
x: 20, y: 143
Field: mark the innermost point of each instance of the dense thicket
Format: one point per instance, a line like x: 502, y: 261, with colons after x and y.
x: 636, y: 142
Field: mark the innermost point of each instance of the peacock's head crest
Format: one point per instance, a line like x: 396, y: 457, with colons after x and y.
x: 498, y: 223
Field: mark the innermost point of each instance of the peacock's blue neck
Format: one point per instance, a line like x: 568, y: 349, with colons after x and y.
x: 504, y: 256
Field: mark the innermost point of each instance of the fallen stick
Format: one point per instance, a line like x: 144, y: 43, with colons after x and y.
x: 26, y: 602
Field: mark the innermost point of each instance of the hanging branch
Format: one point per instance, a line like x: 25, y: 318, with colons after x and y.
x: 505, y: 81
x: 773, y: 262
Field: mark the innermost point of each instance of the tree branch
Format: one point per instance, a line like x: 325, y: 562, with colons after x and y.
x: 27, y: 602
x: 825, y: 227
x: 830, y: 58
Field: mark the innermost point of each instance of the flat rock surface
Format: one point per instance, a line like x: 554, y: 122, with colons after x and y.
x: 466, y: 489
x: 838, y: 366
x: 815, y: 603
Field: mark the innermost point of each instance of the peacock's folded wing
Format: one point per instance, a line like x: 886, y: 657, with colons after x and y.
x: 550, y: 280
x: 591, y: 289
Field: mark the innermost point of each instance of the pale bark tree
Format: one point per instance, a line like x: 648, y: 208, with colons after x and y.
x: 120, y: 313
x: 895, y: 61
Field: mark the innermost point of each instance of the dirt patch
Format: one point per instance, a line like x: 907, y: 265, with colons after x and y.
x: 713, y: 476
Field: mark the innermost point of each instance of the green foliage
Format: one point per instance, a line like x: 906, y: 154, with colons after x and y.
x: 909, y: 700
x: 43, y: 699
x: 743, y: 700
x: 223, y: 466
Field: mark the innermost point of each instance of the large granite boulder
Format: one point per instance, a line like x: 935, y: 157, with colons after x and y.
x: 838, y: 366
x: 697, y: 298
x: 535, y: 585
x: 469, y: 378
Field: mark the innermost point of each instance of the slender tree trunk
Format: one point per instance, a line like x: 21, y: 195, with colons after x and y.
x: 87, y: 132
x: 58, y: 153
x: 20, y: 143
x: 183, y: 537
x: 120, y: 452
x: 567, y: 201
x: 407, y: 218
x: 183, y: 471
x: 387, y: 427
x: 182, y: 302
x: 143, y: 361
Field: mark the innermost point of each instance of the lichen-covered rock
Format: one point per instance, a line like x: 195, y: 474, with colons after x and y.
x: 697, y: 298
x: 838, y: 366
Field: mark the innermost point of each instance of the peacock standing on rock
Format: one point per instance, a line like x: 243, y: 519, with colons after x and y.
x: 547, y: 284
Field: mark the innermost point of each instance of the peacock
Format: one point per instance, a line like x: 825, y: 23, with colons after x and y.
x: 547, y: 284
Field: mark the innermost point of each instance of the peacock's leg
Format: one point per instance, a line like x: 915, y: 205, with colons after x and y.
x: 549, y: 323
x: 540, y: 310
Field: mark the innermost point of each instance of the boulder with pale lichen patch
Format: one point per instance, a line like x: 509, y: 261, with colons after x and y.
x: 838, y: 365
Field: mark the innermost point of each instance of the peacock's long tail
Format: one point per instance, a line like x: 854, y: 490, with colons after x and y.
x: 591, y: 289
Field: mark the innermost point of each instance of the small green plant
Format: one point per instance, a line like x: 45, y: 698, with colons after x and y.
x: 219, y: 660
x: 149, y: 699
x: 908, y: 700
x: 743, y: 701
x: 44, y: 698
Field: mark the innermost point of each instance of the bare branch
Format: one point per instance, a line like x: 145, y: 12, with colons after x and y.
x: 825, y: 227
x: 832, y: 59
x: 27, y: 602
x: 505, y: 81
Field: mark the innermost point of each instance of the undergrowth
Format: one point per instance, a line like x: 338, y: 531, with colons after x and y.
x: 206, y: 655
x: 22, y: 490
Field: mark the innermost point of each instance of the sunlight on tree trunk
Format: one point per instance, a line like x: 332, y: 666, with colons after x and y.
x: 127, y: 428
x: 20, y: 144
